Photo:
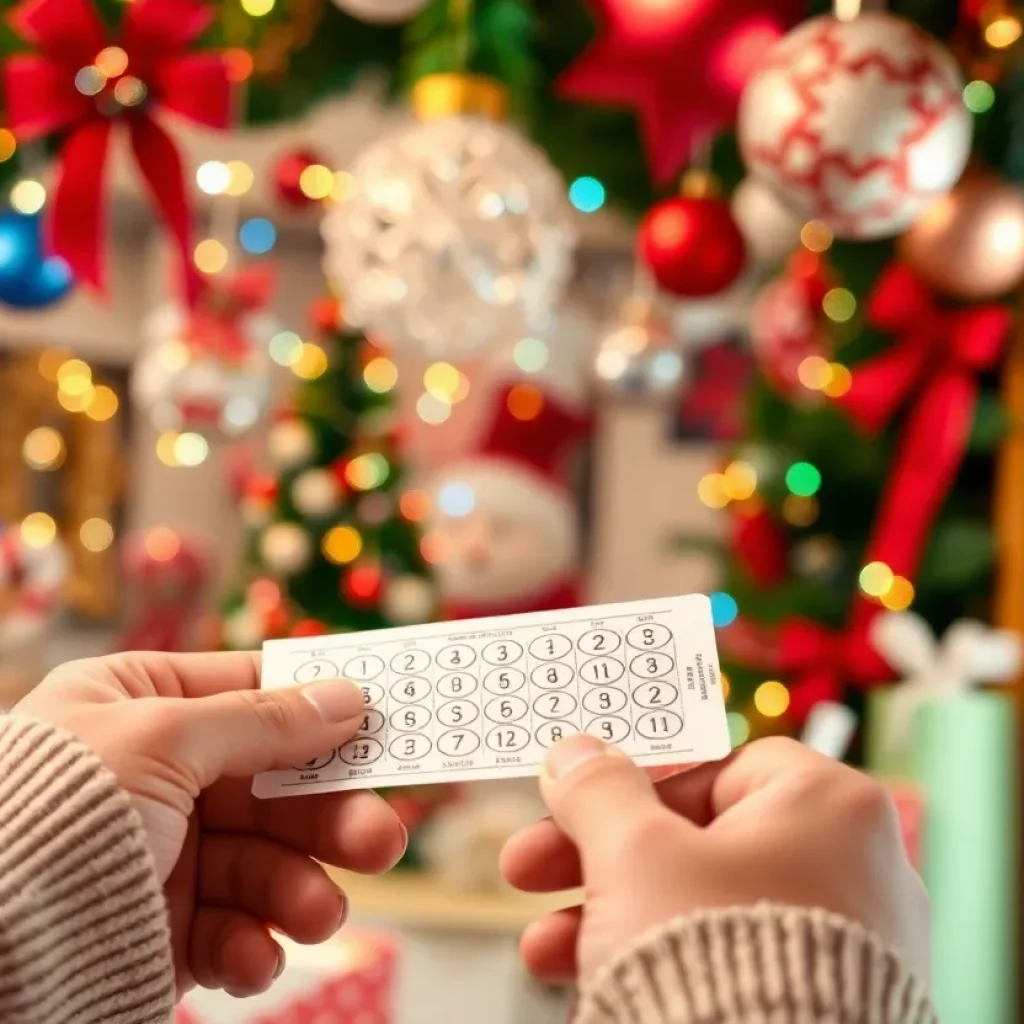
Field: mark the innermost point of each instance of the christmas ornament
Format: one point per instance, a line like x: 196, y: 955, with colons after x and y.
x: 29, y: 278
x: 383, y: 11
x: 788, y: 326
x: 83, y: 83
x: 290, y: 443
x: 288, y: 178
x: 508, y: 517
x: 770, y: 229
x: 408, y: 599
x: 969, y: 655
x: 970, y: 243
x: 165, y: 593
x: 692, y: 246
x: 681, y: 66
x: 315, y: 492
x: 759, y: 543
x: 285, y: 548
x: 206, y: 369
x: 31, y: 581
x: 934, y: 361
x: 637, y: 355
x: 361, y: 583
x: 458, y: 234
x: 857, y: 123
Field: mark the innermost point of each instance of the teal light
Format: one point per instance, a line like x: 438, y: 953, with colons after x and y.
x: 587, y: 195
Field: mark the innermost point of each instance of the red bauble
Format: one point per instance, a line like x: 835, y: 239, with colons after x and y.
x: 308, y: 627
x: 692, y: 246
x: 325, y: 315
x: 288, y: 175
x: 759, y: 543
x: 680, y: 64
x: 362, y: 584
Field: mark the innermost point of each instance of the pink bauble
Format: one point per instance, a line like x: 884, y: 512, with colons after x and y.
x: 857, y: 123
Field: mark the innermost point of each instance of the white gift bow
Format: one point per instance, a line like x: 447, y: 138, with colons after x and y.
x: 829, y: 729
x: 969, y: 654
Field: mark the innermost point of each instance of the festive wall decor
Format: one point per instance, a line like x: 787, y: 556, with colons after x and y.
x: 81, y: 82
x: 858, y: 123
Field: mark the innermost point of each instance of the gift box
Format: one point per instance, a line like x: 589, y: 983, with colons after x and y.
x: 349, y: 980
x: 910, y: 806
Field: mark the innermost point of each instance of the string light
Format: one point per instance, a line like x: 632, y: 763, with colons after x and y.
x: 213, y: 177
x: 240, y: 178
x: 316, y: 181
x: 28, y: 196
x: 587, y: 194
x: 724, y: 609
x: 257, y: 236
x: 90, y: 81
x: 739, y: 481
x: 414, y: 505
x: 876, y: 578
x: 900, y: 596
x: 816, y: 236
x: 711, y: 490
x: 74, y: 377
x: 43, y: 449
x: 8, y: 145
x: 771, y: 699
x: 456, y: 499
x: 839, y: 305
x: 96, y: 535
x: 803, y: 479
x: 240, y: 64
x: 264, y: 595
x: 211, y: 256
x: 435, y: 547
x: 441, y: 380
x: 814, y: 372
x: 310, y: 361
x: 798, y: 511
x: 525, y: 402
x: 739, y: 728
x: 111, y: 61
x: 129, y: 91
x: 38, y: 530
x: 104, y: 404
x: 257, y: 8
x: 1003, y: 31
x: 285, y: 347
x: 191, y: 449
x: 162, y: 544
x: 979, y: 96
x: 342, y: 544
x: 433, y: 410
x: 380, y: 374
x: 366, y: 472
x: 840, y: 381
x: 165, y: 449
x: 530, y: 355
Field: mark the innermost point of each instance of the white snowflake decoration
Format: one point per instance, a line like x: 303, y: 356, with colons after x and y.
x: 857, y: 123
x: 457, y: 237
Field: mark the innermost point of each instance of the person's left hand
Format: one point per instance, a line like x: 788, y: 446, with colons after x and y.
x: 184, y: 734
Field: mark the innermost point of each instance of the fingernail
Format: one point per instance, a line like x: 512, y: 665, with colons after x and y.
x: 282, y: 962
x: 570, y: 753
x: 343, y: 913
x: 336, y: 700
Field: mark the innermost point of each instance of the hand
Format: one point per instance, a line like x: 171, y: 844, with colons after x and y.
x: 184, y: 734
x: 776, y: 822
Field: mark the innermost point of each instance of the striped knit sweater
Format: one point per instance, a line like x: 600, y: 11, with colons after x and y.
x: 84, y: 936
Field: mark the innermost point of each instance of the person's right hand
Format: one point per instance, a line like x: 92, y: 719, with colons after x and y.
x: 775, y: 822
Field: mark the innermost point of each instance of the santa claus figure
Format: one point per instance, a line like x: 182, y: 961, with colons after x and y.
x: 507, y: 513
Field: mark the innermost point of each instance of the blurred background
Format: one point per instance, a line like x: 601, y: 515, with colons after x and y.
x: 333, y: 315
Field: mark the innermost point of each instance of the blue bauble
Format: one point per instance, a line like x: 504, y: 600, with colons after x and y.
x: 29, y: 278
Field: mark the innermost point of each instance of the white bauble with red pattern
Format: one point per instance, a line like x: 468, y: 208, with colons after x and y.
x: 857, y: 123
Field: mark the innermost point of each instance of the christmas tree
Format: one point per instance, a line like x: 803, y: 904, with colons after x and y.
x: 335, y: 542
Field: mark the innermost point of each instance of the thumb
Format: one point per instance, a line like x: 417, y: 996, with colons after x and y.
x: 244, y: 732
x: 595, y: 793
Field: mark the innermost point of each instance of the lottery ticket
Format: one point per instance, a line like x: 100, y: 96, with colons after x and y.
x: 485, y: 699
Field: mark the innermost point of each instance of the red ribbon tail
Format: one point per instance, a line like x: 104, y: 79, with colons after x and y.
x: 160, y: 163
x: 77, y: 214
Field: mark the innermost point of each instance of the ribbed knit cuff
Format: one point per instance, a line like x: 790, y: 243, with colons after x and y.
x: 768, y: 963
x: 83, y: 924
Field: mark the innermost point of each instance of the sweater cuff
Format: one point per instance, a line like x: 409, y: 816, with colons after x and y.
x: 83, y: 924
x: 767, y: 962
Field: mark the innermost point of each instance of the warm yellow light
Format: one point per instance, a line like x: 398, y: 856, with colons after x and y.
x: 240, y: 178
x: 96, y: 535
x: 441, y: 380
x: 344, y: 186
x: 726, y: 686
x: 191, y: 449
x: 8, y: 145
x: 38, y: 530
x: 74, y: 377
x: 900, y: 596
x: 28, y: 196
x: 342, y: 545
x: 316, y: 181
x: 461, y: 393
x: 839, y: 305
x: 799, y: 511
x: 51, y: 361
x: 43, y: 449
x: 257, y: 8
x: 165, y: 449
x: 367, y: 471
x: 433, y: 410
x: 1003, y: 31
x: 103, y: 405
x: 380, y: 374
x: 771, y: 699
x: 211, y: 256
x: 112, y: 61
x: 815, y: 373
x: 739, y: 480
x: 816, y: 236
x: 876, y: 578
x: 76, y: 402
x: 310, y: 361
x: 712, y: 490
x: 435, y: 547
x: 129, y: 91
x: 840, y: 382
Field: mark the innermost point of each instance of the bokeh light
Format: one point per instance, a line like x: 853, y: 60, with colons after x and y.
x: 724, y: 609
x: 433, y: 410
x: 38, y: 530
x: 739, y: 728
x: 28, y: 196
x: 43, y: 449
x: 530, y: 355
x: 587, y: 194
x: 712, y: 491
x: 875, y: 579
x: 367, y: 471
x: 798, y: 511
x: 979, y: 96
x: 525, y: 402
x: 816, y: 236
x: 211, y: 256
x: 900, y: 595
x: 285, y: 347
x: 213, y: 177
x: 771, y: 699
x: 342, y: 544
x: 380, y: 374
x: 162, y: 544
x: 309, y: 362
x: 803, y: 479
x: 456, y: 499
x: 839, y: 305
x: 414, y: 505
x: 8, y: 145
x: 441, y: 380
x: 96, y: 535
x: 240, y: 178
x: 257, y: 236
x: 316, y: 181
x: 739, y: 480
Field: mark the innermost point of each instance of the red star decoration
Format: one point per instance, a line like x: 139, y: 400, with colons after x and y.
x: 681, y: 64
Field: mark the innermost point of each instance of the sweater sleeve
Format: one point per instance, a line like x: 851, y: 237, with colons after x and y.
x: 757, y: 964
x: 84, y: 937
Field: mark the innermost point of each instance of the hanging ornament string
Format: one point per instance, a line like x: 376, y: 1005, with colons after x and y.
x: 82, y: 82
x: 935, y: 360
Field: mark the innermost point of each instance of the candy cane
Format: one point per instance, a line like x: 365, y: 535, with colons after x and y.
x: 38, y: 575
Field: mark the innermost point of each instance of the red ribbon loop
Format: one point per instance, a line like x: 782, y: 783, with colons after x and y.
x: 936, y: 357
x: 42, y: 97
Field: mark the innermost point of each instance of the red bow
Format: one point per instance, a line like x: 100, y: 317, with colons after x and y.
x: 79, y: 82
x: 936, y: 357
x: 215, y: 327
x: 821, y: 663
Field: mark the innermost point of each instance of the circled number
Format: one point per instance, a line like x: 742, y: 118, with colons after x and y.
x: 553, y: 676
x: 505, y: 709
x: 457, y: 712
x: 651, y: 665
x: 373, y: 721
x: 409, y: 748
x: 410, y: 719
x: 656, y: 695
x: 506, y: 738
x: 599, y: 641
x: 648, y: 638
x: 551, y: 646
x: 411, y: 690
x: 314, y: 670
x: 372, y: 693
x: 602, y: 671
x: 456, y: 656
x: 458, y: 742
x: 504, y: 680
x: 361, y: 751
x: 659, y: 725
x: 611, y: 729
x: 551, y: 732
x: 502, y: 652
x: 604, y: 701
x: 363, y: 668
x: 554, y: 705
x: 456, y: 684
x: 409, y: 663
